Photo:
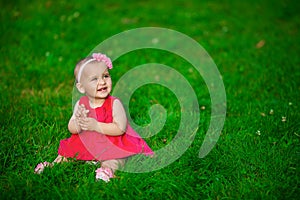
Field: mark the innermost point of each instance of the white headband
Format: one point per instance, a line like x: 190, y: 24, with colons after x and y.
x: 81, y: 68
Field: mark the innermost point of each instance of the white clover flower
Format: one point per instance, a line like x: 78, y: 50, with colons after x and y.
x: 258, y: 132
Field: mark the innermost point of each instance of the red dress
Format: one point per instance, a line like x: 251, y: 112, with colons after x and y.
x: 90, y: 145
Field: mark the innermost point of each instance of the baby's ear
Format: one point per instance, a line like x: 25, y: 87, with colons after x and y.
x: 80, y: 88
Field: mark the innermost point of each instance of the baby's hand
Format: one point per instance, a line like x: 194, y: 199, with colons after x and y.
x: 81, y: 112
x: 88, y: 124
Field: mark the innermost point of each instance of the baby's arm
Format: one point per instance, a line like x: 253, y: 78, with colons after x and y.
x: 119, y: 124
x: 117, y: 127
x: 119, y: 115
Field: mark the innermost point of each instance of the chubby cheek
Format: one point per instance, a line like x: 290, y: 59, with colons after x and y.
x: 109, y: 83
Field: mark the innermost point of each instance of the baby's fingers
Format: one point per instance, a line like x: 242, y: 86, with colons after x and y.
x: 83, y: 126
x: 86, y: 112
x: 83, y: 110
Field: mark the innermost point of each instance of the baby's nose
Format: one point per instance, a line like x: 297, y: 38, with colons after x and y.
x: 101, y: 81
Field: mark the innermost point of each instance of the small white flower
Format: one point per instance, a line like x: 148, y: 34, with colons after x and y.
x: 283, y: 119
x: 271, y: 112
x: 258, y: 132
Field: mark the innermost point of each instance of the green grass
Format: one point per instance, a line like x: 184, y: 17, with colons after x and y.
x: 42, y: 41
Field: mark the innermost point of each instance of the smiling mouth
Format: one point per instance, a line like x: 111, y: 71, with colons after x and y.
x: 102, y: 89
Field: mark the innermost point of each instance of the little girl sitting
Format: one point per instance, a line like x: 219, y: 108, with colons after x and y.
x: 99, y: 127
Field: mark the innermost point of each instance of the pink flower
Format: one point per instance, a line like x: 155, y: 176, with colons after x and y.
x: 104, y: 174
x: 103, y: 58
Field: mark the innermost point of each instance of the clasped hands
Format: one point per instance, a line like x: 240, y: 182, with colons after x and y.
x: 85, y: 123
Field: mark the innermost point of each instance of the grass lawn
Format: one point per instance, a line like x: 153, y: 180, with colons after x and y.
x: 255, y: 45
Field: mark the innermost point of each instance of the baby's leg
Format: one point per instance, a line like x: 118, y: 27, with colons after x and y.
x: 114, y: 164
x: 41, y: 166
x: 60, y: 159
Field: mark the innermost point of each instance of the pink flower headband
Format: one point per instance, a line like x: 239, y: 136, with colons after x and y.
x: 96, y: 57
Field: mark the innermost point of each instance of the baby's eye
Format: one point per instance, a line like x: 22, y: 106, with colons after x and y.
x: 94, y: 79
x: 106, y: 76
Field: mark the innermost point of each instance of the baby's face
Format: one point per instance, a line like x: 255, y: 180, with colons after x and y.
x: 96, y: 80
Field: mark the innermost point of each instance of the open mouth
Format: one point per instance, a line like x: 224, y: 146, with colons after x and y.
x: 102, y: 89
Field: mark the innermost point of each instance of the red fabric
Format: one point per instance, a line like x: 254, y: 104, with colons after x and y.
x: 89, y: 145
